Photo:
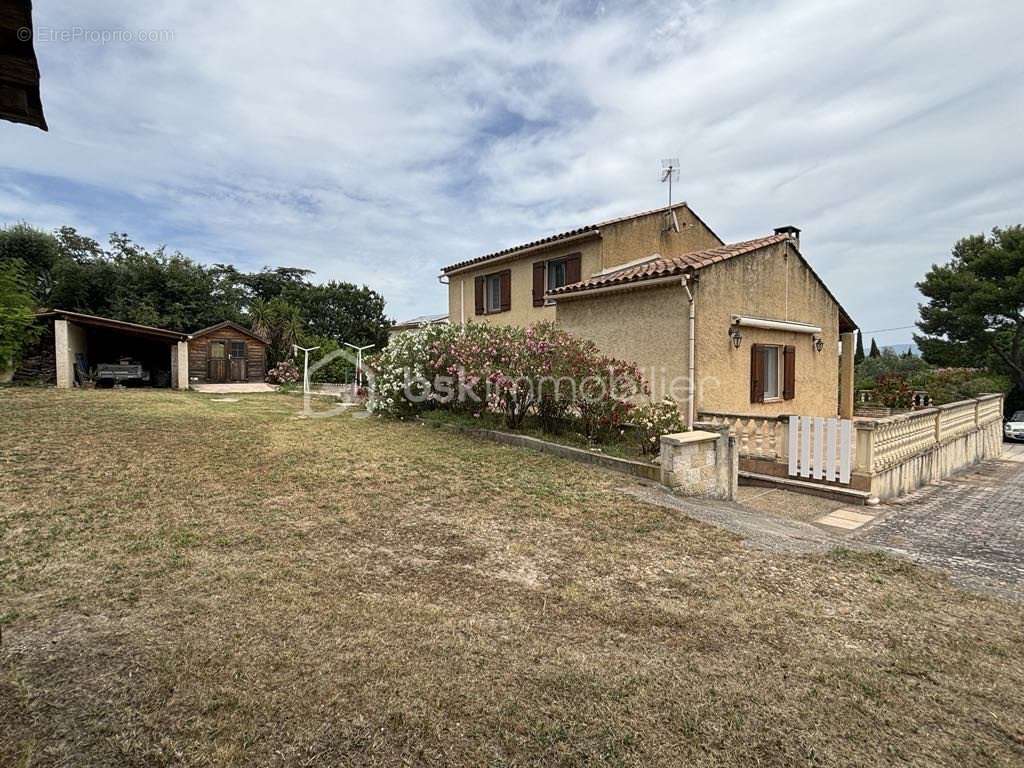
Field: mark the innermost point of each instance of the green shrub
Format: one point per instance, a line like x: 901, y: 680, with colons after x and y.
x: 871, y: 368
x: 338, y: 370
x: 948, y: 385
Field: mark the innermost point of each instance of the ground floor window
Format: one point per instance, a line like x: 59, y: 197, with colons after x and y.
x: 770, y: 366
x: 772, y: 372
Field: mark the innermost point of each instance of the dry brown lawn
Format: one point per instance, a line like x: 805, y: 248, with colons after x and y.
x: 190, y: 582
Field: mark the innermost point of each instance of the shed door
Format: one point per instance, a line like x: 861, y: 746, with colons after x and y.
x: 239, y: 368
x: 217, y: 361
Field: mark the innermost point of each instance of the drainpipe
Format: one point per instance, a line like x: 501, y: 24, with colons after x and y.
x: 446, y: 280
x: 690, y: 388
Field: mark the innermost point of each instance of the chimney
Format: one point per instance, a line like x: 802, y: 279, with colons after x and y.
x: 792, y: 232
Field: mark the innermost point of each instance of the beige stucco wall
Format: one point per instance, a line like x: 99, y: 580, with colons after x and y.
x: 617, y: 244
x: 647, y: 327
x: 69, y: 339
x: 522, y: 312
x: 776, y: 284
x: 645, y: 235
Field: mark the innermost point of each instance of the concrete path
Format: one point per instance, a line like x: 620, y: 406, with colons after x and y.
x: 970, y: 526
x: 759, y: 530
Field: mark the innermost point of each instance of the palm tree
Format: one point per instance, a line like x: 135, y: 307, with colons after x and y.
x: 279, y: 323
x: 259, y: 318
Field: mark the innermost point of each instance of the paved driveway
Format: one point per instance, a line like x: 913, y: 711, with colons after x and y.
x: 971, y: 525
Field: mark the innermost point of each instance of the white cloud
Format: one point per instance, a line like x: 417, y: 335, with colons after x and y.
x: 378, y: 142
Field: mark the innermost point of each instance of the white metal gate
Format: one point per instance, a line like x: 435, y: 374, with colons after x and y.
x: 820, y: 448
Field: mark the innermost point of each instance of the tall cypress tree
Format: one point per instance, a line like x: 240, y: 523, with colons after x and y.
x: 858, y: 358
x: 875, y: 351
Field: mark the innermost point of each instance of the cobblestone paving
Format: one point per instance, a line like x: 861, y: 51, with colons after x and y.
x: 971, y: 525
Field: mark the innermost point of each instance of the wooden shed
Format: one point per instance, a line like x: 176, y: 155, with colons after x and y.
x: 226, y: 352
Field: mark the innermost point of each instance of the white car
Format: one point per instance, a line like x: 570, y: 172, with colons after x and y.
x: 1014, y: 428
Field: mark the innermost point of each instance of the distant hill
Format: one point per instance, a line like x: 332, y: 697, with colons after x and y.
x: 901, y: 349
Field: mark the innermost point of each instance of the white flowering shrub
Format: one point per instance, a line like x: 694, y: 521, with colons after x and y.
x: 652, y: 420
x: 402, y: 372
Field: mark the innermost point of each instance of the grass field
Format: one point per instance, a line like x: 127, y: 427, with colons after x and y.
x: 191, y: 582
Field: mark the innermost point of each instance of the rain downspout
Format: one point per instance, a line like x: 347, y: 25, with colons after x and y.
x: 692, y: 367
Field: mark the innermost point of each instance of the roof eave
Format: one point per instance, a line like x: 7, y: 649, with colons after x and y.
x: 631, y: 285
x: 112, y: 324
x: 519, y: 252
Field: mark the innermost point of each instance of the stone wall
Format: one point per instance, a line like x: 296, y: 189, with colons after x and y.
x: 702, y: 463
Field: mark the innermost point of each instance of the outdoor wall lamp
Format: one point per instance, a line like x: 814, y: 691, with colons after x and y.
x: 736, y: 336
x: 819, y: 343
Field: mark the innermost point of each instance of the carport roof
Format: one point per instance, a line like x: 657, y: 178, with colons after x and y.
x: 114, y: 325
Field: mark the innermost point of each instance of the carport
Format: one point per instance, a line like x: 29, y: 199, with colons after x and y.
x: 116, y: 352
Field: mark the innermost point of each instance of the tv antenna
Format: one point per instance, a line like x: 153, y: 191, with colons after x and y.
x: 670, y: 173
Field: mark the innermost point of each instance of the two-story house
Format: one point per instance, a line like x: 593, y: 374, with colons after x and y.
x: 746, y: 329
x: 509, y: 286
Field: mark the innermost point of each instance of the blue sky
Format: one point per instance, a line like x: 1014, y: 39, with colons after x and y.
x: 377, y: 142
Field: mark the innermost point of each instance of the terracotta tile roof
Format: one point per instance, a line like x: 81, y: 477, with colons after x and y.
x: 667, y: 267
x: 560, y: 236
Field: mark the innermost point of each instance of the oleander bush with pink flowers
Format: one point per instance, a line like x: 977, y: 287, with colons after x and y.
x: 541, y: 372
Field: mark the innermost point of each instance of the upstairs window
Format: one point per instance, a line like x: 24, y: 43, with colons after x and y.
x: 554, y: 273
x: 493, y: 294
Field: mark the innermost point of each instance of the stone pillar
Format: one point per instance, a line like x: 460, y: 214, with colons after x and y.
x: 846, y: 361
x: 700, y: 463
x: 65, y: 363
x: 181, y: 350
x: 865, y: 446
x: 782, y: 446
